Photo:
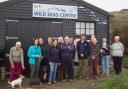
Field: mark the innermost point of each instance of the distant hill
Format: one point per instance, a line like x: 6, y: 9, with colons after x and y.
x: 118, y: 20
x: 124, y: 10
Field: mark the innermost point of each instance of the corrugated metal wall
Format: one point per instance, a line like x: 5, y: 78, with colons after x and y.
x: 25, y: 30
x: 2, y: 32
x: 23, y: 10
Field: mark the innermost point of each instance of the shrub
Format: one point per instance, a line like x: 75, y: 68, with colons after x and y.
x: 125, y: 62
x: 115, y: 82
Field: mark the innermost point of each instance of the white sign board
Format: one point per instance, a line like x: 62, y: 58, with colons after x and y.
x: 54, y: 11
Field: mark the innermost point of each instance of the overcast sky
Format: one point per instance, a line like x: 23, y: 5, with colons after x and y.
x: 108, y: 5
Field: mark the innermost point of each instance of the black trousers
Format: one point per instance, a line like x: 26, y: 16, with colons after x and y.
x: 117, y: 64
x: 67, y: 68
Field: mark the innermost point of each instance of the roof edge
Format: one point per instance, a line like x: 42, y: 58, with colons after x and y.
x: 10, y: 2
x: 84, y: 3
x: 93, y: 7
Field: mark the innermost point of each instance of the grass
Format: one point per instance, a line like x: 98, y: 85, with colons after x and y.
x: 115, y: 82
x: 125, y: 62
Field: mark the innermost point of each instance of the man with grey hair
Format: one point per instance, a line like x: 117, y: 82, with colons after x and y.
x: 67, y: 56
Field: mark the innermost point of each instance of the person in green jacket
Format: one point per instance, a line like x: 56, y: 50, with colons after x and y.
x: 34, y: 54
x: 16, y: 58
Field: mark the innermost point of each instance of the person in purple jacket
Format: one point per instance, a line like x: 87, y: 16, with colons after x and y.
x: 54, y: 60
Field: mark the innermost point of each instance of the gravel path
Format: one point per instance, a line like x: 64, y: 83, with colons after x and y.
x: 76, y: 84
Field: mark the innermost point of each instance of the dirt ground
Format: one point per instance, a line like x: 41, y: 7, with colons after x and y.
x: 76, y: 84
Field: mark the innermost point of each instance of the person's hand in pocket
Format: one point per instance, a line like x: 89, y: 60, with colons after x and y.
x: 82, y: 55
x: 12, y: 65
x: 38, y: 56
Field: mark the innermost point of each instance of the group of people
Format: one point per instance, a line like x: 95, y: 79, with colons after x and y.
x: 61, y: 54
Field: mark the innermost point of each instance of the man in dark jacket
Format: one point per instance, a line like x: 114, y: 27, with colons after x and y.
x: 83, y: 49
x: 67, y: 56
x: 47, y: 48
x: 44, y: 68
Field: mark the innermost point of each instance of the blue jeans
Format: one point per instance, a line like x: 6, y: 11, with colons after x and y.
x: 105, y: 64
x: 53, y: 70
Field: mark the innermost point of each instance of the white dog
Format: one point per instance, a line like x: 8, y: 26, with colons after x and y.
x: 16, y: 82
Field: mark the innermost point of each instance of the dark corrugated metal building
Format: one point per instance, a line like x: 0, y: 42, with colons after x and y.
x: 24, y: 19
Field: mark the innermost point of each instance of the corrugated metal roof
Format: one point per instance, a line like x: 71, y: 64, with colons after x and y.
x: 92, y: 7
x: 3, y: 1
x: 86, y: 4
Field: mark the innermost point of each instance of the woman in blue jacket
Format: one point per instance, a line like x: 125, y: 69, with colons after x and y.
x: 54, y: 60
x: 34, y: 54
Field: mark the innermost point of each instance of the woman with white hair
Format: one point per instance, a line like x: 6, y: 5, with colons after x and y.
x: 117, y: 54
x: 16, y: 58
x: 60, y: 40
x: 59, y: 69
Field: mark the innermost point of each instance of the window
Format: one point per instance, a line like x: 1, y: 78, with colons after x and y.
x: 90, y: 28
x: 80, y: 28
x: 85, y: 28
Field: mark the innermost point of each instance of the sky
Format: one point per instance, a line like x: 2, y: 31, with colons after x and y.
x: 108, y: 5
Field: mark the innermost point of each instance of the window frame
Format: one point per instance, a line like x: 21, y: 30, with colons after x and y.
x: 90, y: 28
x: 79, y: 33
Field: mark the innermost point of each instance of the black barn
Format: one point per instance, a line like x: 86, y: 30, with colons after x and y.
x: 19, y: 20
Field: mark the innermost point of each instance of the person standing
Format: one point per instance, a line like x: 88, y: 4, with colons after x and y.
x: 71, y: 43
x: 41, y: 43
x: 34, y: 55
x: 43, y: 64
x: 60, y: 40
x: 67, y: 55
x: 94, y: 57
x: 16, y: 58
x: 59, y: 69
x: 54, y: 61
x: 117, y: 54
x: 83, y: 50
x: 76, y: 60
x: 105, y: 53
x: 47, y: 48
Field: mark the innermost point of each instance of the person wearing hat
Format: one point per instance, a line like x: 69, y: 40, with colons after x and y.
x: 16, y: 59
